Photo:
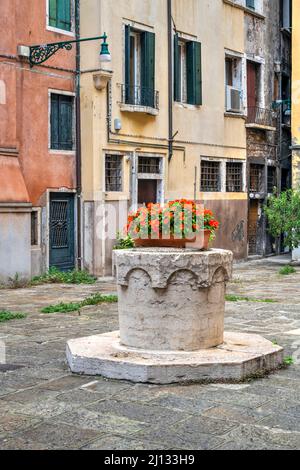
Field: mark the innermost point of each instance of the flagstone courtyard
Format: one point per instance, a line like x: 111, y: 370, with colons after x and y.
x: 43, y: 406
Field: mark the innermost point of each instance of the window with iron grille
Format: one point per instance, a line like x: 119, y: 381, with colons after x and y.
x: 210, y: 177
x: 234, y: 177
x: 256, y: 178
x: 149, y: 165
x: 272, y: 183
x: 113, y: 173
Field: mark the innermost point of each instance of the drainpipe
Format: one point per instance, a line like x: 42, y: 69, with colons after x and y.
x: 170, y: 77
x: 78, y: 137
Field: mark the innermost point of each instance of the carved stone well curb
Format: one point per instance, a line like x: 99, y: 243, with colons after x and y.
x: 171, y: 314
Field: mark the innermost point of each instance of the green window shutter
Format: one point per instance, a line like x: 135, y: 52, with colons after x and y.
x: 64, y: 14
x: 177, y: 68
x: 147, y: 69
x: 52, y: 13
x: 194, y: 73
x: 61, y: 122
x: 54, y: 122
x: 128, y: 91
x: 250, y: 4
x: 66, y: 122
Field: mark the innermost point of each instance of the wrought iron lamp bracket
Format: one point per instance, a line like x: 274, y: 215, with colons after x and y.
x: 41, y: 53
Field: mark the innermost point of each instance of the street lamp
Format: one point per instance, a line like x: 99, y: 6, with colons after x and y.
x: 41, y: 53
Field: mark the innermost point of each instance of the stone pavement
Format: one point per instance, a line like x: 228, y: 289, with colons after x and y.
x: 42, y: 406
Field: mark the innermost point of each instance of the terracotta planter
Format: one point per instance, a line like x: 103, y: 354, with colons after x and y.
x: 199, y: 242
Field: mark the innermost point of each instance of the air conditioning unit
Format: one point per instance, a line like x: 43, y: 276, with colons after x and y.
x: 233, y: 100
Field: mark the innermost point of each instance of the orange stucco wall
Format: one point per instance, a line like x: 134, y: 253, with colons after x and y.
x: 24, y: 113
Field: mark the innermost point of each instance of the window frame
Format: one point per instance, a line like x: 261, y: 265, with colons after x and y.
x: 59, y: 30
x: 121, y: 157
x: 61, y: 151
x: 216, y: 162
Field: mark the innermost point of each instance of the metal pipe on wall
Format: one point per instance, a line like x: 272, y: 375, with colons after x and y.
x: 170, y: 77
x: 78, y: 137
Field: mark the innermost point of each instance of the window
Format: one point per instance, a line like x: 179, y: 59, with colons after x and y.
x: 139, y: 68
x: 187, y: 71
x: 34, y: 228
x: 233, y: 84
x: 250, y: 4
x: 113, y: 173
x: 210, y: 176
x: 62, y: 122
x: 60, y: 14
x: 256, y: 178
x: 234, y: 177
x: 272, y: 179
x: 149, y: 165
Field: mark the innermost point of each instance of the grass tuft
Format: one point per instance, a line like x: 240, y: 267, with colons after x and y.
x: 287, y: 270
x: 95, y: 299
x: 289, y: 361
x: 237, y: 298
x: 55, y: 276
x: 7, y: 316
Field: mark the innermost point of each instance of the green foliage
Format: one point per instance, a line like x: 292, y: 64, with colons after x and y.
x: 95, y: 299
x: 124, y: 243
x: 7, y: 316
x: 55, y: 276
x: 237, y: 298
x: 287, y: 270
x: 289, y: 361
x: 283, y: 213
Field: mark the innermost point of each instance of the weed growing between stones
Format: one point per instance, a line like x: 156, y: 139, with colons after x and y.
x: 95, y: 299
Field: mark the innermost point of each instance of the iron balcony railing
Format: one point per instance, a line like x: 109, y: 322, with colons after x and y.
x: 140, y: 96
x: 260, y: 116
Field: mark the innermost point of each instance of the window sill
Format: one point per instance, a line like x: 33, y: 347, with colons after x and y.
x: 132, y: 108
x: 260, y: 127
x: 60, y: 31
x: 245, y: 9
x: 235, y: 115
x: 70, y: 153
x: 186, y: 105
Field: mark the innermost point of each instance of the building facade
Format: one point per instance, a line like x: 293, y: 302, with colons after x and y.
x: 268, y: 123
x: 296, y: 105
x: 37, y: 140
x: 154, y: 125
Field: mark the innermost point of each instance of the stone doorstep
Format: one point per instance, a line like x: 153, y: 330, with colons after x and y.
x: 238, y: 358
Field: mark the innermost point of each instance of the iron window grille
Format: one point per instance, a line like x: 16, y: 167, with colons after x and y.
x: 256, y: 178
x: 113, y: 173
x: 234, y: 177
x: 272, y: 183
x: 210, y: 176
x: 149, y: 165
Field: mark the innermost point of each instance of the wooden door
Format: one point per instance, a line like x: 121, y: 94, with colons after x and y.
x: 251, y: 84
x: 252, y: 227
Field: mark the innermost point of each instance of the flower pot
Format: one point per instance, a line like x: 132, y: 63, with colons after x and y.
x: 200, y: 242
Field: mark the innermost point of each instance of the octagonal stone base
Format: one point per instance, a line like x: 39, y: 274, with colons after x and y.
x: 238, y: 358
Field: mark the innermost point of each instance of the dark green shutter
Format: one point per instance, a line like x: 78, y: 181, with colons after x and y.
x: 177, y: 69
x: 128, y: 91
x: 66, y: 122
x: 250, y: 4
x: 61, y: 122
x: 147, y: 69
x: 54, y: 122
x: 52, y: 13
x: 64, y: 14
x: 194, y: 73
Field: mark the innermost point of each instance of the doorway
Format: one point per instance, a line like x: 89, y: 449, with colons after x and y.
x: 61, y: 231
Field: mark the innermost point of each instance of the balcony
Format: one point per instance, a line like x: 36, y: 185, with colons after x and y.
x: 137, y: 99
x: 261, y: 118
